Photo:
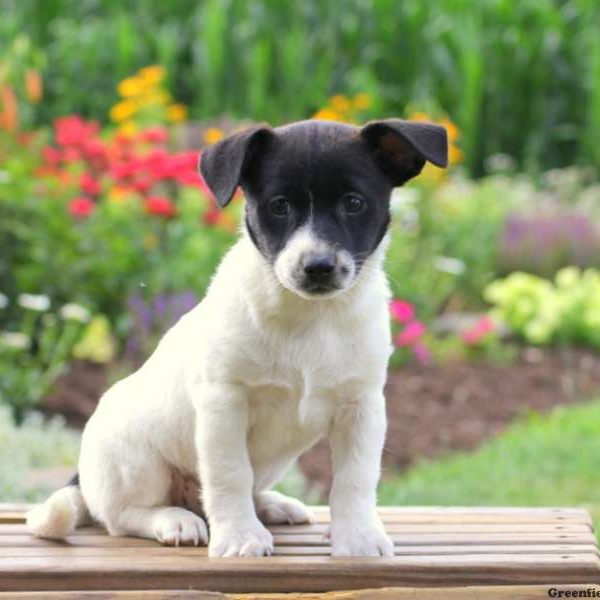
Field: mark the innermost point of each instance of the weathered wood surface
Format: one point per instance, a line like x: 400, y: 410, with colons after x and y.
x: 435, y: 548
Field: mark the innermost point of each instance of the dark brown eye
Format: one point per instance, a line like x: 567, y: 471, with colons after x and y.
x: 352, y: 203
x: 279, y: 206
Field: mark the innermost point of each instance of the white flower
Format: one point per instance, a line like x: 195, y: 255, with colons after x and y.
x: 3, y: 301
x: 75, y: 312
x: 37, y: 302
x: 14, y: 339
x: 447, y: 264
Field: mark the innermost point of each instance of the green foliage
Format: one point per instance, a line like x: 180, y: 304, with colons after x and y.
x: 520, y: 78
x: 34, y: 354
x: 445, y: 242
x: 549, y: 460
x: 565, y: 311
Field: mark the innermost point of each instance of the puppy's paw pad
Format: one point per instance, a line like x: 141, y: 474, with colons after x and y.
x: 274, y: 508
x: 244, y: 541
x: 181, y: 527
x: 369, y: 542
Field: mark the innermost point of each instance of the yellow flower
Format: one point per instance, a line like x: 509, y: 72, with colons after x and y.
x: 455, y: 154
x: 97, y: 342
x: 419, y: 116
x: 339, y: 103
x: 152, y: 75
x: 451, y: 128
x: 176, y: 113
x: 128, y: 128
x: 213, y: 135
x: 327, y: 114
x: 155, y: 97
x: 123, y: 110
x: 361, y: 101
x: 132, y: 86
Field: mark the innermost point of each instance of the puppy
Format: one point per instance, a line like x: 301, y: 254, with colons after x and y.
x: 290, y: 343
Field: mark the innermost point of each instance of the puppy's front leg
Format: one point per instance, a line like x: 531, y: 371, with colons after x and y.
x: 356, y: 445
x: 226, y: 473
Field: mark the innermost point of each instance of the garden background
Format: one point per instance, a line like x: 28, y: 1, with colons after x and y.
x: 108, y: 235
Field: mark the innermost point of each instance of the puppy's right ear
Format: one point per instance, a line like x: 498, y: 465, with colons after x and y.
x: 223, y: 165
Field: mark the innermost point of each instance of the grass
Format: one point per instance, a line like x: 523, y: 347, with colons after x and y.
x: 34, y: 445
x: 544, y: 460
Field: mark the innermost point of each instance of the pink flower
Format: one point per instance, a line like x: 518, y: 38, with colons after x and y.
x: 410, y: 334
x: 421, y: 352
x: 81, y: 208
x: 475, y: 334
x: 402, y: 311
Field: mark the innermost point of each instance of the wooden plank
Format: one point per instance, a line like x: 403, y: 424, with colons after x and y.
x: 319, y: 530
x: 405, y: 540
x: 428, y: 512
x: 279, y: 574
x: 525, y: 592
x: 66, y: 551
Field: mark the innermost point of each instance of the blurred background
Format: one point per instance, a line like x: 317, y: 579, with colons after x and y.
x: 108, y: 235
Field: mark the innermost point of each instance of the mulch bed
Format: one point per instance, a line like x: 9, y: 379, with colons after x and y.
x: 432, y: 410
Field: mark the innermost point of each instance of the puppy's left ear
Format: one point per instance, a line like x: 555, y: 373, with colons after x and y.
x: 402, y: 147
x: 224, y: 164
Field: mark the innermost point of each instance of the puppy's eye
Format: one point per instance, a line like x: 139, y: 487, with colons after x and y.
x: 352, y: 203
x: 279, y: 206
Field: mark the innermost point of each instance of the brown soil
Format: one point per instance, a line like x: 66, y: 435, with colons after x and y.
x: 432, y: 410
x: 437, y: 409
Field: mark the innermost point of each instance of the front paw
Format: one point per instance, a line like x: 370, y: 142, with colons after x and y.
x: 248, y: 539
x: 355, y: 540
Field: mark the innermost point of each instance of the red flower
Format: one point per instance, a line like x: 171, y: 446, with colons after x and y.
x: 81, y: 208
x: 160, y: 206
x: 410, y: 334
x: 89, y: 185
x: 212, y: 217
x: 51, y: 155
x: 155, y: 135
x: 74, y: 131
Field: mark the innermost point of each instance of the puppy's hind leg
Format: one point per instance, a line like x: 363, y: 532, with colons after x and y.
x: 170, y: 525
x: 274, y: 508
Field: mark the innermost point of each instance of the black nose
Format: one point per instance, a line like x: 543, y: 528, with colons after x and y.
x: 319, y: 268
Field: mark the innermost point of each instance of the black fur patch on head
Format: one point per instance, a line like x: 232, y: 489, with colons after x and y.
x: 333, y: 177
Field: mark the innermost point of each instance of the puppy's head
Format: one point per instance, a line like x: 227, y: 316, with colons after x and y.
x: 317, y: 192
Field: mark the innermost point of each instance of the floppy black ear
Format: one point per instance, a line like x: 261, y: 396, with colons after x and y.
x: 223, y: 164
x: 402, y: 147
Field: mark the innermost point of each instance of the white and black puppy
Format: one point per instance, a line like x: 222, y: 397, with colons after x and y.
x: 291, y: 343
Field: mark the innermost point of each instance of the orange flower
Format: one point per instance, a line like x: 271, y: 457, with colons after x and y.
x: 9, y: 117
x: 213, y: 135
x: 33, y: 85
x: 176, y: 113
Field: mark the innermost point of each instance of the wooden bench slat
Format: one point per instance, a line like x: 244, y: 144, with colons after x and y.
x: 278, y: 574
x: 504, y: 592
x: 440, y: 547
x: 201, y: 552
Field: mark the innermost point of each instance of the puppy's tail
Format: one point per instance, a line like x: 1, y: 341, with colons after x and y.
x: 56, y: 518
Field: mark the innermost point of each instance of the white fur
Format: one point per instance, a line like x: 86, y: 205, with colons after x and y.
x: 235, y: 391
